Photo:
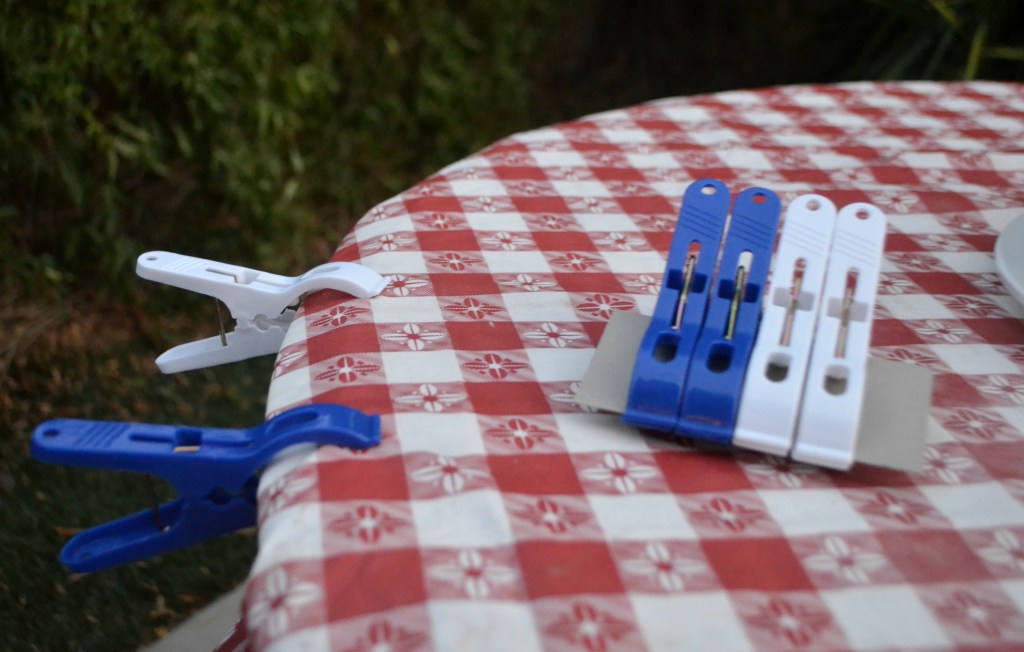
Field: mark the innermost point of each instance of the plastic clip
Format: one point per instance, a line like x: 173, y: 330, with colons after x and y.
x: 714, y: 383
x: 261, y: 303
x: 214, y: 471
x: 778, y: 365
x: 834, y: 391
x: 664, y: 354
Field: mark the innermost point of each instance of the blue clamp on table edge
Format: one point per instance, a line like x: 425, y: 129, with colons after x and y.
x: 214, y: 471
x: 714, y: 382
x: 664, y: 355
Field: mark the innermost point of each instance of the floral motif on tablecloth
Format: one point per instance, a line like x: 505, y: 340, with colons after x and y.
x: 455, y: 262
x: 528, y: 283
x: 977, y: 616
x: 368, y: 523
x: 589, y: 628
x: 730, y: 515
x: 382, y: 636
x: 1005, y: 549
x: 575, y: 261
x: 1008, y: 390
x: 473, y: 308
x: 347, y: 369
x: 791, y: 620
x: 473, y: 573
x: 281, y: 598
x: 337, y: 316
x: 552, y: 515
x: 554, y: 335
x: 625, y: 475
x: 506, y: 241
x: 431, y: 398
x: 495, y: 365
x: 950, y: 465
x: 520, y: 433
x: 401, y: 285
x: 978, y: 425
x: 779, y: 471
x: 664, y: 569
x: 448, y: 473
x: 414, y: 337
x: 603, y: 305
x: 845, y: 561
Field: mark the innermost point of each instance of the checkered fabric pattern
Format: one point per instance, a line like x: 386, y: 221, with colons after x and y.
x: 499, y: 515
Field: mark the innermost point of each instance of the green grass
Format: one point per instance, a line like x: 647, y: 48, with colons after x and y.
x: 95, y: 361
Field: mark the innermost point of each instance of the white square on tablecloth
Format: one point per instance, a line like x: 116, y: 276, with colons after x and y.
x: 478, y: 188
x: 1006, y: 161
x: 626, y: 136
x: 473, y: 518
x: 278, y: 542
x: 959, y: 105
x: 914, y: 306
x: 962, y: 144
x: 1014, y: 589
x: 558, y: 159
x: 967, y: 262
x: 982, y: 505
x: 915, y: 121
x: 453, y: 435
x: 396, y: 262
x: 918, y: 223
x: 587, y: 433
x: 539, y: 306
x: 368, y: 231
x: 794, y: 139
x: 812, y: 511
x: 673, y: 190
x: 686, y: 113
x: 884, y: 617
x: 844, y: 119
x: 495, y: 626
x: 654, y: 160
x: 641, y: 517
x: 970, y: 359
x: 926, y: 160
x: 766, y: 118
x: 580, y: 188
x: 634, y: 262
x: 516, y: 262
x: 830, y: 161
x: 701, y: 621
x: 606, y: 222
x: 543, y: 135
x: 554, y: 365
x: 421, y: 367
x: 745, y: 159
x: 496, y: 221
x: 1009, y: 305
x: 289, y: 389
x: 405, y: 310
x: 884, y: 141
x: 714, y: 136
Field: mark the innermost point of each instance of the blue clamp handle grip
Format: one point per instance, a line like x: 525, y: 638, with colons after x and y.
x: 214, y: 471
x: 714, y: 382
x: 659, y: 372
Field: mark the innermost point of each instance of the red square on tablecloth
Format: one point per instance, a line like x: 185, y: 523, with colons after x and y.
x: 361, y: 478
x: 460, y: 285
x: 998, y: 331
x: 589, y: 282
x: 554, y: 568
x: 536, y: 474
x: 506, y: 398
x: 452, y: 240
x: 372, y: 399
x: 703, y: 472
x: 372, y: 582
x: 563, y: 241
x: 767, y: 564
x: 932, y: 556
x: 483, y: 335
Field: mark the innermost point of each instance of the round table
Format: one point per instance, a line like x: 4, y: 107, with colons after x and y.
x: 499, y: 515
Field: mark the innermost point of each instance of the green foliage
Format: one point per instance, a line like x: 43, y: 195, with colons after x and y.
x: 225, y: 127
x: 943, y: 39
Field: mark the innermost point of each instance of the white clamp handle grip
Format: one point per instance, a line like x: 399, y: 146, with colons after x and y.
x: 834, y: 392
x: 249, y: 293
x: 775, y: 377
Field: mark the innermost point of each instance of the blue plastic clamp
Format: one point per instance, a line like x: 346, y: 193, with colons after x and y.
x: 662, y: 360
x: 714, y: 382
x: 214, y: 471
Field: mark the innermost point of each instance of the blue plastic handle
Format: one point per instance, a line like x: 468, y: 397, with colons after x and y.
x: 213, y: 469
x: 714, y: 382
x: 659, y: 372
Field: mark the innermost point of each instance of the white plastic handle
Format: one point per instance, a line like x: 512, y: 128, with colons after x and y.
x: 775, y: 376
x: 834, y: 392
x: 249, y: 293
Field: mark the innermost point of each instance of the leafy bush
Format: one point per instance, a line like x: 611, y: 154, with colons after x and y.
x: 222, y: 128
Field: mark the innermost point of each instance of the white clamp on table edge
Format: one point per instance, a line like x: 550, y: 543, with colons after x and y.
x: 775, y: 377
x: 261, y: 303
x: 834, y: 391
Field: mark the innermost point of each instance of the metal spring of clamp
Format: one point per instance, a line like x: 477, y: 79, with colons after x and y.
x: 214, y: 470
x: 261, y: 303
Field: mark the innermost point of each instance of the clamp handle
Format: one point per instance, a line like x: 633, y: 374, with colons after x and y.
x: 213, y: 469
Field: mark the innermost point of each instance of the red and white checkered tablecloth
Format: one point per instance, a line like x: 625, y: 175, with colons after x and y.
x: 499, y: 515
